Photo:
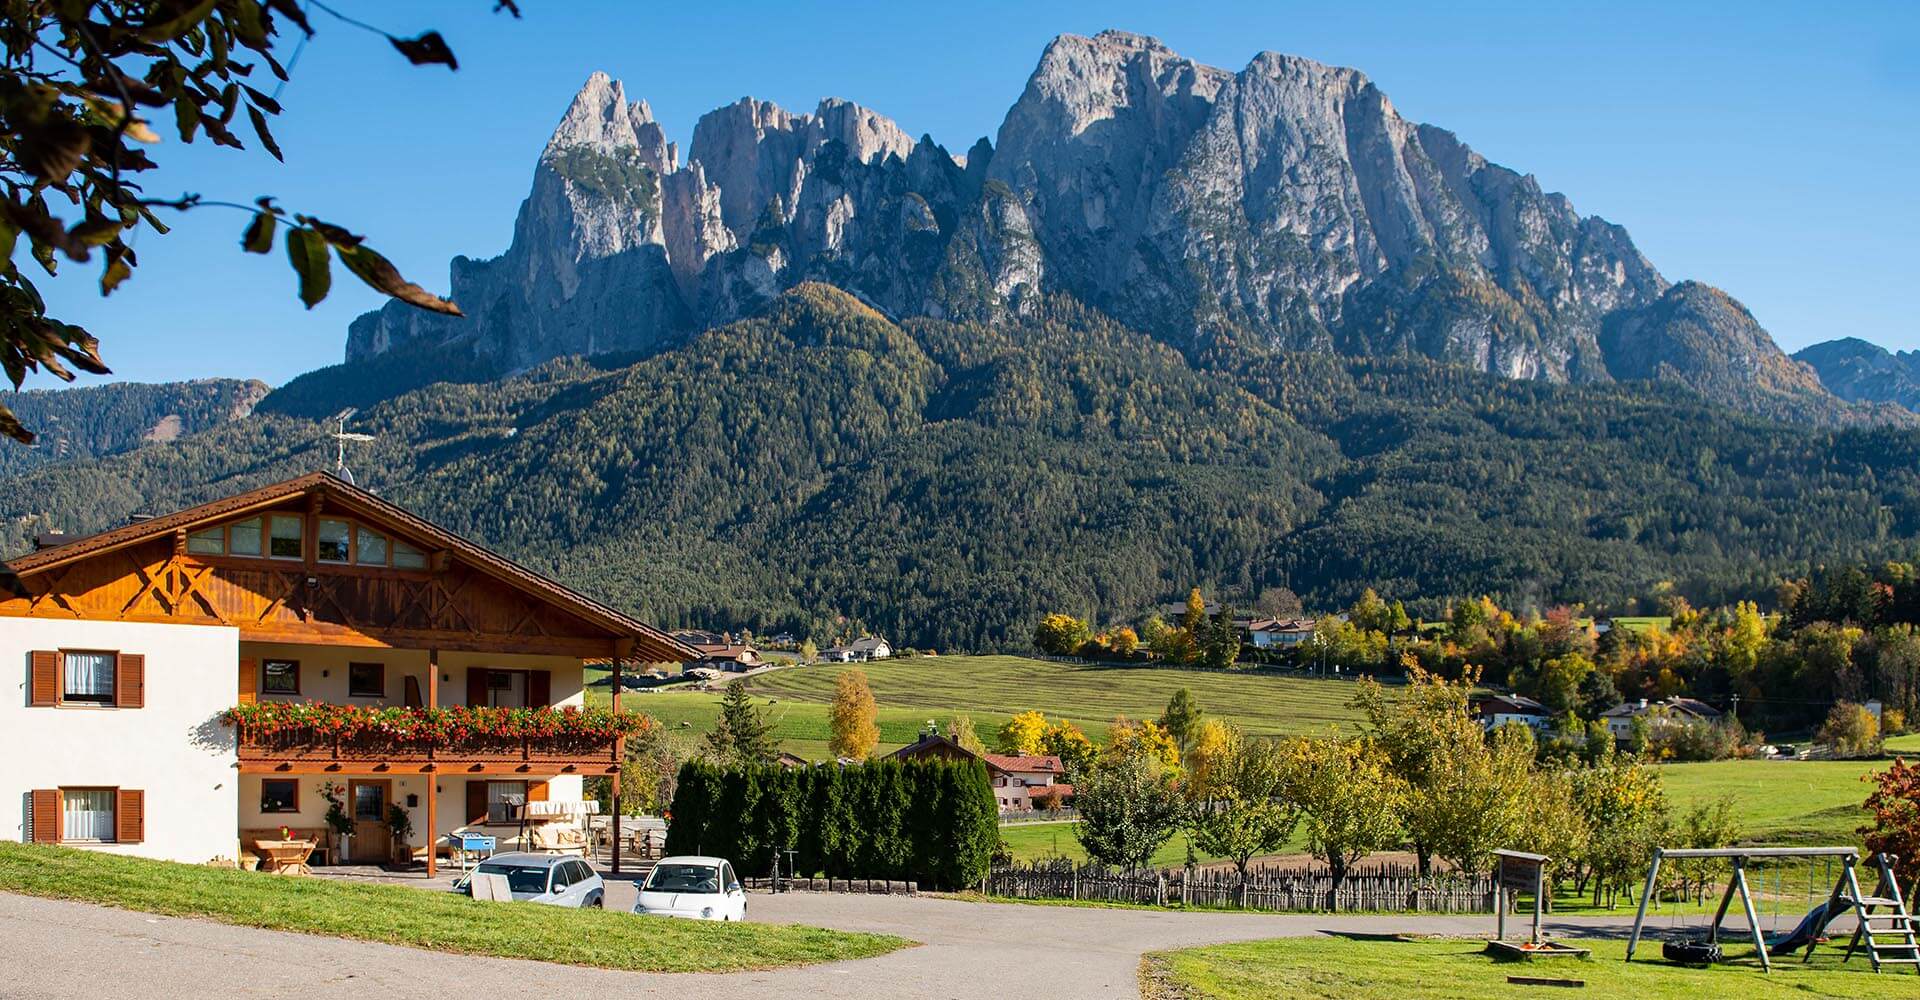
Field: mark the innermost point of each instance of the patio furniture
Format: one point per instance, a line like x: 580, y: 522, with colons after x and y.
x: 286, y: 857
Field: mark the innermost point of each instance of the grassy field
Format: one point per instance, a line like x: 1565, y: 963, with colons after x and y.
x: 1356, y: 968
x: 441, y: 921
x: 1780, y: 802
x: 989, y: 689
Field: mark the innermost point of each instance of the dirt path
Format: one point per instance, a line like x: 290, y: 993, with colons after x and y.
x: 970, y: 950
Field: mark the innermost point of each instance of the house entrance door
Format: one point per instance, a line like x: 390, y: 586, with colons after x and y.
x: 368, y: 798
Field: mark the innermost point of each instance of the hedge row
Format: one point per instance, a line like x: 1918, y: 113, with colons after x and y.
x: 932, y: 822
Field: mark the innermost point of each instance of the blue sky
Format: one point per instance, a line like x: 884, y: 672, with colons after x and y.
x: 1768, y: 148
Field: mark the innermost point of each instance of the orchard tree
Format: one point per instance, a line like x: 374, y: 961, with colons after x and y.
x: 1474, y: 799
x: 852, y: 718
x: 1129, y: 805
x: 1349, y: 799
x: 1420, y: 728
x: 1242, y: 809
x: 83, y: 87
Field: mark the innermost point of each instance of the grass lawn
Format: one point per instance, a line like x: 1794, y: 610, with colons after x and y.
x: 441, y: 921
x: 990, y: 689
x: 1324, y: 968
x: 1906, y: 743
x: 1797, y: 803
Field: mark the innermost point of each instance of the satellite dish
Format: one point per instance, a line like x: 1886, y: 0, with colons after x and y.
x: 340, y: 438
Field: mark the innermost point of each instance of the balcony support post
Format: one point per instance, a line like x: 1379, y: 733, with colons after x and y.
x: 433, y: 777
x: 620, y: 650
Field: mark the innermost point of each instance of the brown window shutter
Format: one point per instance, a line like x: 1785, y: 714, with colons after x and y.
x: 249, y: 681
x: 45, y: 690
x: 476, y: 802
x: 477, y: 686
x: 46, y: 815
x: 130, y: 681
x: 536, y: 791
x: 130, y: 816
x: 539, y: 688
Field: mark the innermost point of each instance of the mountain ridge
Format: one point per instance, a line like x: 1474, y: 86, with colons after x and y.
x: 1286, y: 205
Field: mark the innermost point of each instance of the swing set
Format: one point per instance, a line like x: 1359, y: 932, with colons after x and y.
x: 1887, y: 936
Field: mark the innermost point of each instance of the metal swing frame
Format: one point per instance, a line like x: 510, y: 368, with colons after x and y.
x: 1850, y: 858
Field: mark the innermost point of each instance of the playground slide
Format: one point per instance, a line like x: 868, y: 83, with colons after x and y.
x: 1810, y: 927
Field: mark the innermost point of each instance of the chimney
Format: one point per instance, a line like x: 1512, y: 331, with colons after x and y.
x: 50, y: 539
x: 137, y: 517
x: 1643, y: 703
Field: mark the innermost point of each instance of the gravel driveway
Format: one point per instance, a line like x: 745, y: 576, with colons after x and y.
x: 970, y: 950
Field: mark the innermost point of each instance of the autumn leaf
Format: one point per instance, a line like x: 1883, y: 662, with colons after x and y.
x: 259, y: 235
x: 426, y: 50
x: 380, y: 273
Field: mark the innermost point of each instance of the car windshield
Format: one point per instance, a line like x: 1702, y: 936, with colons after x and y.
x: 683, y: 878
x: 520, y: 878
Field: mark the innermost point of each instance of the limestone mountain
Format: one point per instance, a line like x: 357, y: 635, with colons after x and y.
x: 1287, y: 205
x: 1860, y: 372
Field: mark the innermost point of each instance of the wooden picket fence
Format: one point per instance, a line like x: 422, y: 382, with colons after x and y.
x: 1381, y: 888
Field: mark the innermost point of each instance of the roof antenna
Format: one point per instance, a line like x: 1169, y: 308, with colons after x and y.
x: 340, y: 438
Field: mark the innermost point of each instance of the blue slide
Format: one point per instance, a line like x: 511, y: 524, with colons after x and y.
x: 1810, y: 927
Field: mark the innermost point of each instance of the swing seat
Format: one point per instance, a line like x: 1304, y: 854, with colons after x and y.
x: 1691, y: 951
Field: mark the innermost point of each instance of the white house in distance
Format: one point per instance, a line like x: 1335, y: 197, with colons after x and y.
x: 1017, y: 780
x: 1282, y: 633
x: 1500, y: 709
x: 858, y: 651
x: 1674, y: 711
x: 131, y: 645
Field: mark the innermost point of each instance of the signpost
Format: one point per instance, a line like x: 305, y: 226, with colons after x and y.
x: 1519, y: 872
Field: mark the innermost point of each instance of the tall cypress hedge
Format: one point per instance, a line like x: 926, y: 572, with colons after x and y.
x: 932, y: 821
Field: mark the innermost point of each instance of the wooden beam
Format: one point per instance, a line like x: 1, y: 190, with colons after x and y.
x: 541, y: 769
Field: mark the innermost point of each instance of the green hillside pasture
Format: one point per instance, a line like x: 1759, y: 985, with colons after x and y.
x: 995, y: 687
x: 1790, y: 803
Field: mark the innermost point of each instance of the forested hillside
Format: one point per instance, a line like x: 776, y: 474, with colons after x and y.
x: 108, y: 419
x: 820, y: 468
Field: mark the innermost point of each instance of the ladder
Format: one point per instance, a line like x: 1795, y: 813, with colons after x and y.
x: 1892, y: 943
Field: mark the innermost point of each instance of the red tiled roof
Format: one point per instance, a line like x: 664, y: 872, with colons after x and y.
x: 1013, y: 762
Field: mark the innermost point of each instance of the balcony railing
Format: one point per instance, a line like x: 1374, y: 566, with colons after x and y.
x: 432, y: 739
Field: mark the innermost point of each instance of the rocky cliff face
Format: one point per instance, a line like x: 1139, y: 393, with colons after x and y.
x: 1861, y: 372
x: 1287, y: 204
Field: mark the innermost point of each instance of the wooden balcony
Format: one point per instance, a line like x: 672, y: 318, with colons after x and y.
x: 303, y: 751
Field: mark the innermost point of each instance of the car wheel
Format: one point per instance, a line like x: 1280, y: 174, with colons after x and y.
x: 597, y: 902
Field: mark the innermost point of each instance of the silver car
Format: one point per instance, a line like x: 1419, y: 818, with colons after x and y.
x: 550, y: 879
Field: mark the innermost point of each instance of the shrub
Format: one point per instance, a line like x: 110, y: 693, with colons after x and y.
x: 1852, y: 730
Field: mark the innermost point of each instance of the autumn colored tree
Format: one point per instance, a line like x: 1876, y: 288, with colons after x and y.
x: 1061, y: 635
x: 1066, y: 741
x: 960, y: 730
x: 82, y: 85
x: 1126, y: 737
x: 1350, y: 800
x: 1129, y: 805
x: 1894, y: 806
x: 1242, y: 809
x: 1023, y: 733
x: 855, y: 731
x: 1851, y: 730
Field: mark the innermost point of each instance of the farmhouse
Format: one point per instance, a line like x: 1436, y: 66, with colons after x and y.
x: 1674, y: 711
x: 718, y: 651
x: 1270, y: 633
x: 1018, y: 780
x: 1500, y: 709
x: 859, y: 650
x: 186, y: 680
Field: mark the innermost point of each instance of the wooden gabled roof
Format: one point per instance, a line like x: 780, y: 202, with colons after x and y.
x: 343, y: 497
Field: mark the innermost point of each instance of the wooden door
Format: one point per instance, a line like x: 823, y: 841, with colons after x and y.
x: 367, y: 798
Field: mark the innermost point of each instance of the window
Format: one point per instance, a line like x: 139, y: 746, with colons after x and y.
x: 367, y: 680
x: 331, y: 541
x: 726, y: 876
x: 562, y: 876
x: 279, y: 795
x: 88, y: 677
x: 243, y: 537
x: 407, y: 557
x: 504, y: 798
x: 370, y: 548
x: 280, y: 677
x: 503, y: 689
x: 86, y: 814
x: 370, y: 803
x: 208, y: 542
x: 285, y: 541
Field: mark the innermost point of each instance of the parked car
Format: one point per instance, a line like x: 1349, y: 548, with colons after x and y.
x: 693, y: 887
x: 550, y: 879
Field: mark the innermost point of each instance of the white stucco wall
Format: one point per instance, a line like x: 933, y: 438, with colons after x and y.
x: 174, y: 749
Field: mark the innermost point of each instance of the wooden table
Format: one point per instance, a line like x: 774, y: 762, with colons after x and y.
x: 288, y: 857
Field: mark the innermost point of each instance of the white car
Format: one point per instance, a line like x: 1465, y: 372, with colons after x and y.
x: 693, y: 887
x: 548, y: 879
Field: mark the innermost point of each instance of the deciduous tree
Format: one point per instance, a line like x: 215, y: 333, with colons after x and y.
x: 1129, y: 805
x: 1022, y: 733
x: 1349, y: 798
x: 855, y: 731
x: 1242, y: 809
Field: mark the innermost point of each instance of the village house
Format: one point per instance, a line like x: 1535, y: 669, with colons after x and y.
x: 132, y: 645
x: 718, y: 651
x: 1019, y: 781
x: 1674, y: 711
x: 1500, y: 709
x: 1278, y: 633
x: 859, y: 650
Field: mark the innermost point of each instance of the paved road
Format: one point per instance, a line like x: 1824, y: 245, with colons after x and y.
x: 971, y: 950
